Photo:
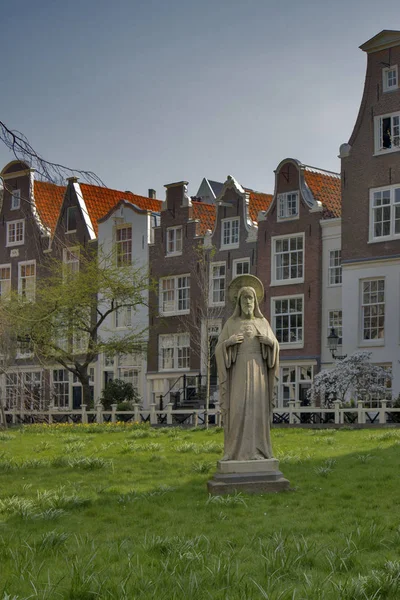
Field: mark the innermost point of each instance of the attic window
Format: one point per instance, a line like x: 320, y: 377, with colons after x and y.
x: 387, y: 133
x: 15, y: 199
x: 390, y: 79
x: 71, y: 218
x: 288, y: 206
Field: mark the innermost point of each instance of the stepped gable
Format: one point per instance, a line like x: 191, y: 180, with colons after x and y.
x: 48, y: 200
x: 100, y: 200
x: 325, y: 186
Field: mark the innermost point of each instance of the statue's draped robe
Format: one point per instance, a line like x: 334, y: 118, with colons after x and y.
x: 247, y: 374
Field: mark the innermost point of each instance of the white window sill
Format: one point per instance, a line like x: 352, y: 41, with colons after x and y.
x: 333, y: 285
x: 71, y: 231
x: 284, y: 219
x: 392, y: 89
x: 23, y: 356
x: 384, y: 238
x: 291, y: 346
x: 173, y: 254
x: 386, y: 151
x: 229, y: 247
x: 371, y: 343
x: 286, y: 282
x: 15, y: 207
x: 185, y: 369
x: 175, y: 313
x: 13, y: 244
x: 216, y: 304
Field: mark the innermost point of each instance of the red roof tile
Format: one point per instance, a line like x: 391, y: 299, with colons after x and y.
x: 258, y: 201
x: 100, y: 200
x: 48, y: 200
x: 325, y: 187
x: 205, y: 214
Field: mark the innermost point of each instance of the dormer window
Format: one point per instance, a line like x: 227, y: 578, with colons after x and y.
x: 390, y: 79
x: 288, y: 206
x: 15, y: 199
x: 15, y: 233
x: 174, y: 241
x: 387, y: 133
x: 71, y: 218
x: 230, y: 232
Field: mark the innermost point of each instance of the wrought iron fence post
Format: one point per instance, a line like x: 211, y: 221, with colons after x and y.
x: 113, y: 413
x: 382, y: 412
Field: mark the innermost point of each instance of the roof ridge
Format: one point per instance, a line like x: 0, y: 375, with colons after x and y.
x: 322, y: 171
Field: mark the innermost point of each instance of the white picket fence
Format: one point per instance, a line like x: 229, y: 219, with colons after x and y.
x: 293, y: 415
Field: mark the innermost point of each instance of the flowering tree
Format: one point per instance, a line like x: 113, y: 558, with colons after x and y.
x: 354, y: 375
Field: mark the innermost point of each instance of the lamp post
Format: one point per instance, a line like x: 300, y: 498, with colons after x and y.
x: 333, y: 341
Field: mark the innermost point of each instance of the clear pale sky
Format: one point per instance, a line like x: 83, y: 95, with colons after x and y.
x: 149, y: 92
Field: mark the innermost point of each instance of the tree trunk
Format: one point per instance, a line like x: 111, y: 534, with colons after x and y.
x: 86, y: 390
x: 2, y: 413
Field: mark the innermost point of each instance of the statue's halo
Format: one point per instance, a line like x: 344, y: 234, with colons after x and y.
x: 245, y: 281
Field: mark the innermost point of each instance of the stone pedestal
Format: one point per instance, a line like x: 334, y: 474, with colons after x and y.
x: 248, y: 476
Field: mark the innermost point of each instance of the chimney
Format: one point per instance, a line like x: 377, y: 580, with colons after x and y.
x: 152, y: 194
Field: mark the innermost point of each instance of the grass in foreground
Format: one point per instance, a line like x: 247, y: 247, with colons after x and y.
x: 122, y: 513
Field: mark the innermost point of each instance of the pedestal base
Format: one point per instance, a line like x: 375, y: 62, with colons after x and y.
x: 248, y: 476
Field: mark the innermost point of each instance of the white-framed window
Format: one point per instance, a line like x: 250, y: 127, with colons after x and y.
x: 61, y: 388
x: 217, y: 283
x: 71, y: 259
x: 123, y: 317
x: 390, y: 79
x: 335, y: 322
x: 288, y: 206
x: 288, y: 320
x: 174, y: 240
x: 335, y: 267
x: 241, y: 266
x: 230, y: 232
x: 175, y: 295
x: 15, y: 233
x: 24, y: 347
x: 387, y: 133
x: 123, y: 245
x: 373, y: 310
x: 372, y: 397
x: 130, y: 375
x: 71, y: 218
x: 294, y: 383
x: 24, y: 390
x: 287, y: 259
x: 27, y: 279
x: 5, y: 281
x: 384, y: 222
x: 15, y: 199
x: 174, y: 352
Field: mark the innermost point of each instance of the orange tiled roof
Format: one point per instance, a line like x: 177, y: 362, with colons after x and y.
x: 258, y: 201
x: 325, y: 187
x: 48, y: 200
x: 205, y: 214
x: 100, y: 200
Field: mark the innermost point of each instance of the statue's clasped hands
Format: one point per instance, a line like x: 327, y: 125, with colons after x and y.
x: 236, y: 338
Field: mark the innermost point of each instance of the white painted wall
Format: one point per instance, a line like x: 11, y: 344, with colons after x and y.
x: 389, y: 349
x: 141, y: 233
x: 331, y: 295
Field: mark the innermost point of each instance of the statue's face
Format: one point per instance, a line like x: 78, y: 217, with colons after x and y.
x: 247, y: 303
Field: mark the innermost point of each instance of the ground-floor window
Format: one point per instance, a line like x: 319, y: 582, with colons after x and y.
x: 294, y: 382
x: 25, y: 390
x: 372, y: 399
x: 60, y: 388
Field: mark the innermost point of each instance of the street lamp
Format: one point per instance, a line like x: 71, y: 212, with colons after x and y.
x: 333, y: 341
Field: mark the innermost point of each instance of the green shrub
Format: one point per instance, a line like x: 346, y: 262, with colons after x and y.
x: 118, y: 392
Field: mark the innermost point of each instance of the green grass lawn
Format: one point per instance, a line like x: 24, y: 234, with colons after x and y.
x: 108, y: 512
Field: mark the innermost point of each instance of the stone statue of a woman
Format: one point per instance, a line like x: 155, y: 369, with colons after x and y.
x: 247, y: 357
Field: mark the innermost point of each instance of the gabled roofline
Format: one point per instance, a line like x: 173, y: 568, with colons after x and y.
x: 134, y: 207
x: 232, y: 183
x: 387, y: 38
x: 21, y: 173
